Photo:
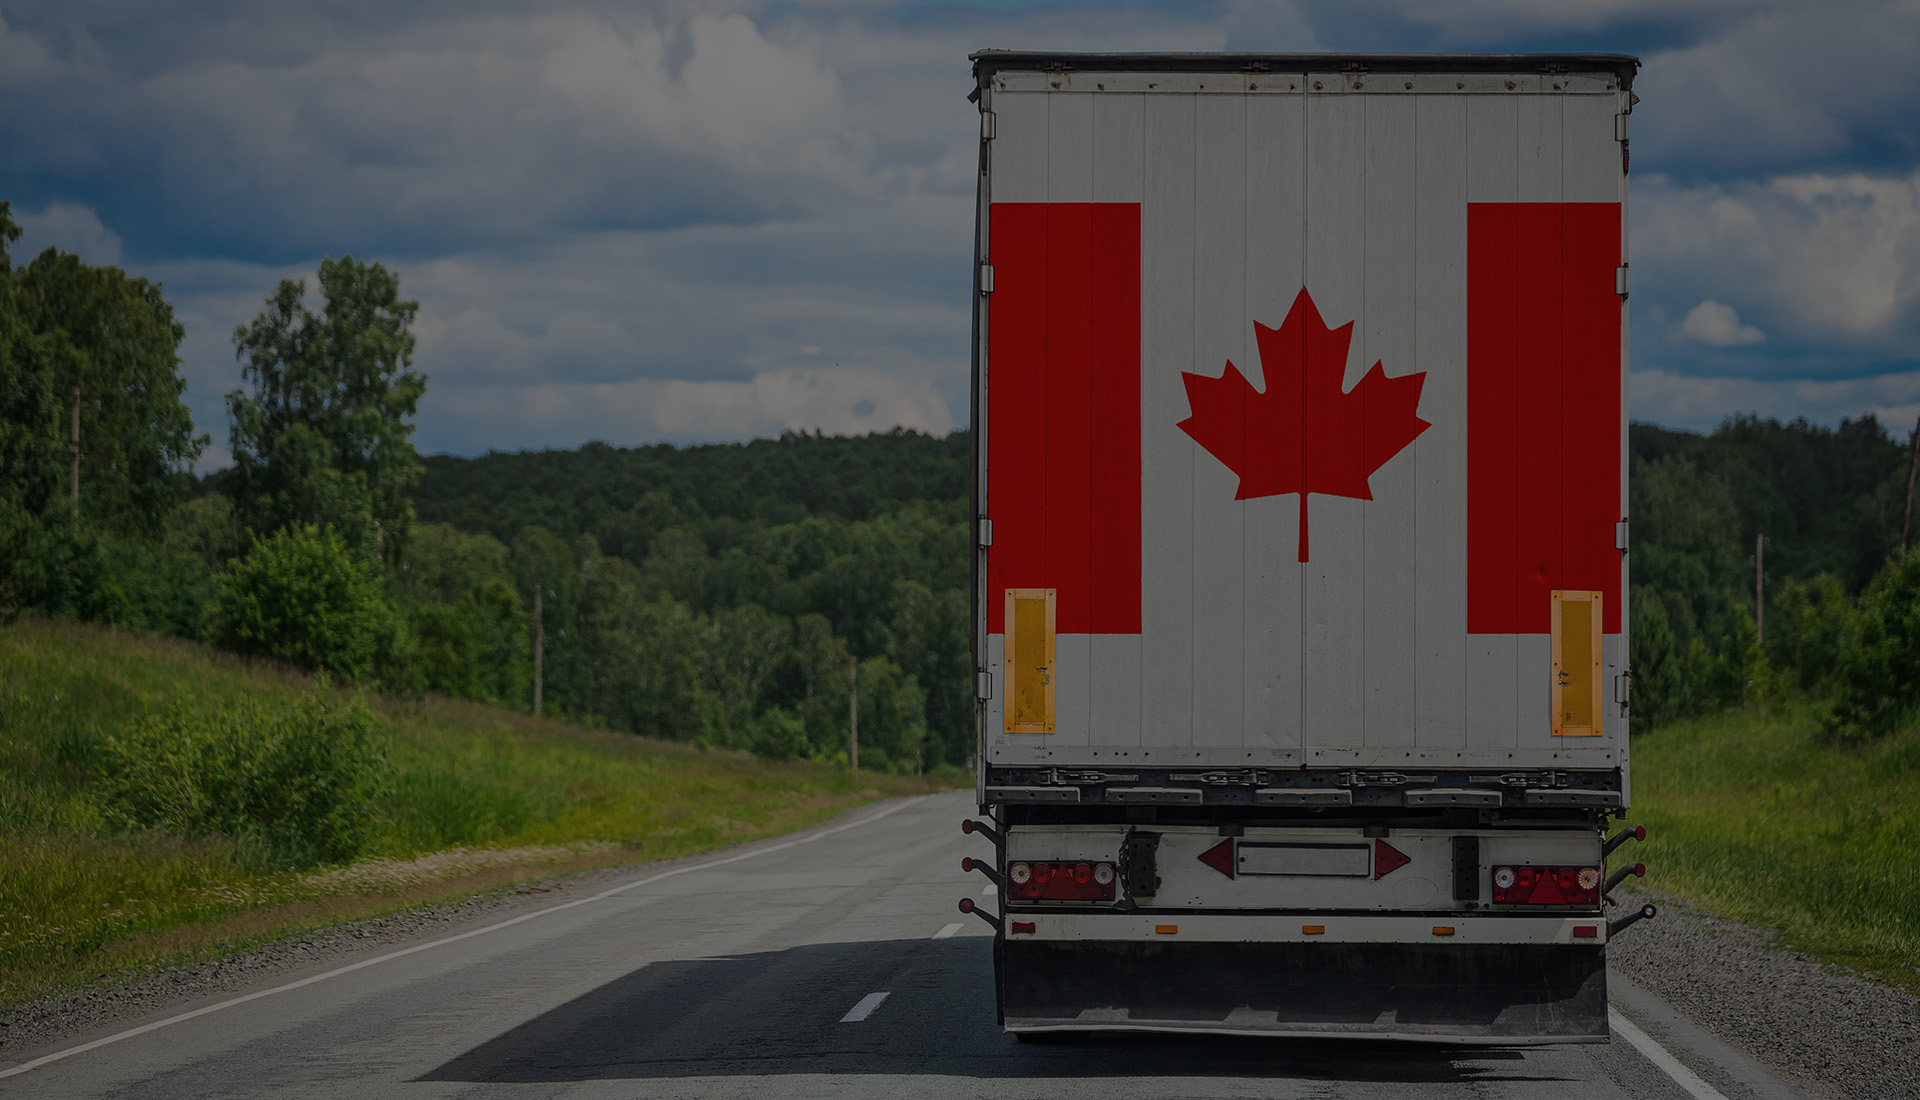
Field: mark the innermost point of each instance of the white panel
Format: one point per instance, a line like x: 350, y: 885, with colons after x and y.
x: 1069, y: 148
x: 1386, y: 335
x: 1221, y: 334
x: 1116, y: 692
x: 1491, y: 154
x: 1072, y: 691
x: 1492, y: 669
x: 1534, y: 697
x: 1541, y: 165
x: 1276, y: 226
x: 1166, y: 453
x: 1334, y: 585
x: 1118, y: 176
x: 1592, y: 156
x: 1119, y: 130
x: 1440, y: 454
x: 996, y: 715
x: 1019, y: 148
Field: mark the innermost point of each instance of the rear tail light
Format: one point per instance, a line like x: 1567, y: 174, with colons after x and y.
x: 1044, y: 881
x: 1546, y: 885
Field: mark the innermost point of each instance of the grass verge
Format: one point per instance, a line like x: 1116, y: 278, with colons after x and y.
x: 1756, y: 816
x: 481, y: 798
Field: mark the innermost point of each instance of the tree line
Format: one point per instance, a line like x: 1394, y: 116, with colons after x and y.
x: 744, y: 595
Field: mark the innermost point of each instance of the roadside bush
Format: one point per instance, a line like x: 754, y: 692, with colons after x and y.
x: 1879, y: 677
x: 294, y: 781
x: 302, y: 596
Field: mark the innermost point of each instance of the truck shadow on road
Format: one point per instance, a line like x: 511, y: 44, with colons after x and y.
x: 780, y: 1012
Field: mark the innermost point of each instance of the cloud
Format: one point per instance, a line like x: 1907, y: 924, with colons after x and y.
x: 1702, y: 403
x: 68, y: 226
x: 835, y: 401
x: 1832, y: 262
x: 1718, y: 324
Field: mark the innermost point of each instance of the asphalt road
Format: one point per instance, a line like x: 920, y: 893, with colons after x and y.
x: 810, y: 966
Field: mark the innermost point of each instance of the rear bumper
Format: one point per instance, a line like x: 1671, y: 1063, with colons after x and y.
x: 1493, y: 994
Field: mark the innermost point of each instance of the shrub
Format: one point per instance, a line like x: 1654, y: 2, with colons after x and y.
x: 302, y: 596
x: 296, y: 781
x: 1879, y: 676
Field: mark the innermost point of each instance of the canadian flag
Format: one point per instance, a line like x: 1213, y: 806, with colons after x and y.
x: 1301, y: 465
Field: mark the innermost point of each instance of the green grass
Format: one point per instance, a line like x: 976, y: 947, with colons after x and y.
x: 1757, y: 817
x: 500, y: 796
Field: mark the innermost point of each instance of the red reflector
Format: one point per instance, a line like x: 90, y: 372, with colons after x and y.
x: 1082, y: 873
x: 1585, y: 931
x: 1042, y: 872
x: 1022, y: 927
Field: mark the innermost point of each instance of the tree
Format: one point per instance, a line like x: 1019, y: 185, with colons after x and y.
x: 301, y: 596
x: 325, y: 437
x: 115, y: 365
x: 29, y: 412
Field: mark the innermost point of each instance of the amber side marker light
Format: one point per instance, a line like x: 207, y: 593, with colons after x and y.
x: 1442, y: 930
x: 1313, y: 929
x: 1166, y: 929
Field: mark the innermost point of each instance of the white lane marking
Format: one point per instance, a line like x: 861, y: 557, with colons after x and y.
x: 419, y: 947
x: 1657, y: 1054
x: 989, y: 890
x: 947, y: 932
x: 865, y: 1008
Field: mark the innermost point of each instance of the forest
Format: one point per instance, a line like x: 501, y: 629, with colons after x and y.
x: 749, y: 595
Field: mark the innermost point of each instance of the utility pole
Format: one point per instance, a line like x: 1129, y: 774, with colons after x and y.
x: 1913, y: 461
x: 73, y: 483
x: 539, y: 637
x: 853, y: 713
x: 1760, y: 589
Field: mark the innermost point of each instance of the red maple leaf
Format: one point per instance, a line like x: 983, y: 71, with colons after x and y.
x: 1304, y: 435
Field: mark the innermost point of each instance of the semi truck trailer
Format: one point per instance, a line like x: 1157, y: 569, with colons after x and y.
x: 1299, y: 542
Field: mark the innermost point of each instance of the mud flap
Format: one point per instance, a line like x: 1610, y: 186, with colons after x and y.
x: 1494, y: 994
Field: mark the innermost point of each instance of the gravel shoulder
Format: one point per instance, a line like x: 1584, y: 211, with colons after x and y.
x: 1829, y: 1031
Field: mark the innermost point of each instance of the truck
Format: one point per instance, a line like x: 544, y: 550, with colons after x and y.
x: 1299, y: 544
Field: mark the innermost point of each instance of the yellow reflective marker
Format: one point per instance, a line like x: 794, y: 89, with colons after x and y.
x: 1030, y: 645
x: 1313, y: 929
x: 1166, y: 929
x: 1442, y: 930
x: 1576, y: 663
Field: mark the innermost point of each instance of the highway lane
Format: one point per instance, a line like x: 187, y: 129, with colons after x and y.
x: 810, y: 966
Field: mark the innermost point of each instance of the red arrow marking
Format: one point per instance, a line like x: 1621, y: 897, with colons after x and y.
x: 1220, y: 857
x: 1387, y: 859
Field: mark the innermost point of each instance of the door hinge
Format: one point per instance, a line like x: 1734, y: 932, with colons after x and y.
x: 986, y: 125
x: 986, y: 278
x: 1620, y: 126
x: 1622, y: 686
x: 983, y: 686
x: 986, y: 531
x: 1620, y: 280
x: 1620, y: 536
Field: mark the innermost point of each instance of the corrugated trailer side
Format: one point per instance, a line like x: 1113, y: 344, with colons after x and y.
x: 1300, y: 485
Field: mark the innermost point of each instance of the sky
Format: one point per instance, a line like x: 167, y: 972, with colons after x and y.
x: 699, y: 220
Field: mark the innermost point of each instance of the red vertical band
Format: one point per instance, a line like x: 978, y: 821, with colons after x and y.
x: 1543, y: 410
x: 1063, y: 411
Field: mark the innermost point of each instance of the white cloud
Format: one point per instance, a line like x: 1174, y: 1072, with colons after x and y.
x: 68, y: 226
x: 1718, y: 324
x: 1701, y: 403
x: 1830, y: 258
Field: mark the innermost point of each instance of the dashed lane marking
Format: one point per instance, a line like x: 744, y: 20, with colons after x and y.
x: 363, y: 964
x: 865, y: 1008
x: 1657, y: 1054
x: 947, y: 932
